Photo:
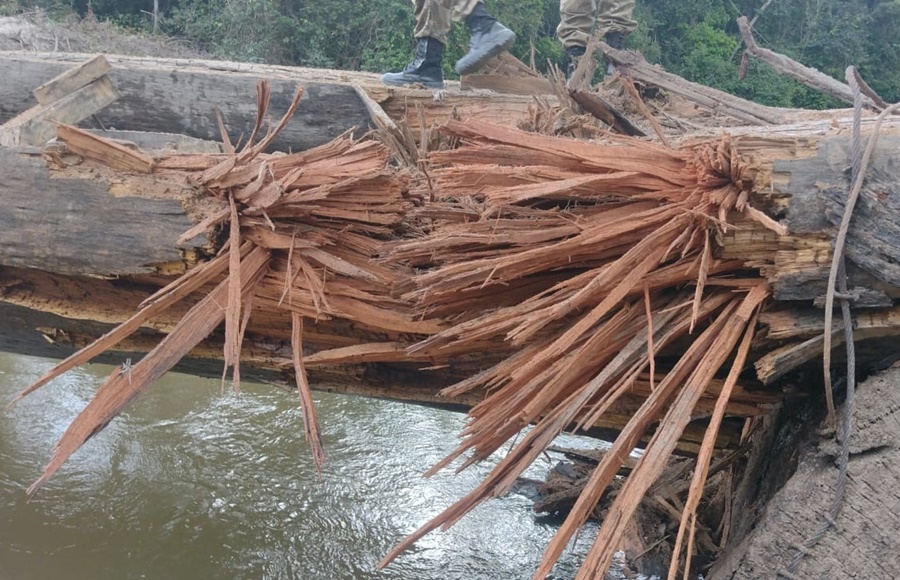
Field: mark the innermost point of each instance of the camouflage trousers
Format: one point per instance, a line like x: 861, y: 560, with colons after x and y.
x: 433, y: 16
x: 578, y: 18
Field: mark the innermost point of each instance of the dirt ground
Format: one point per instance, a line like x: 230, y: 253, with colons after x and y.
x: 35, y: 32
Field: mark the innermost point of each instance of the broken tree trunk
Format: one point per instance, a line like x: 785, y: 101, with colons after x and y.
x: 566, y: 283
x: 794, y: 173
x: 797, y: 175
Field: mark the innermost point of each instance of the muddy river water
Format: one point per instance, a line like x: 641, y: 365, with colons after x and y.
x: 190, y: 483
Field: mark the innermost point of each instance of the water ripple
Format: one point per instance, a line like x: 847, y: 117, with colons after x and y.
x: 191, y: 483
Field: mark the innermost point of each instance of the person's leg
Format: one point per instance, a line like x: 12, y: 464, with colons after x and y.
x: 432, y: 26
x: 615, y: 24
x: 576, y: 23
x: 432, y: 19
x: 489, y: 37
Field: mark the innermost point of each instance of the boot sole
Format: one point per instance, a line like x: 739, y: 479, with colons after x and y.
x: 427, y: 85
x: 465, y: 67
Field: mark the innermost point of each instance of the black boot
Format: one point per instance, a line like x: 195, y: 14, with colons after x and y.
x: 615, y: 40
x: 425, y: 69
x: 489, y: 38
x: 575, y: 53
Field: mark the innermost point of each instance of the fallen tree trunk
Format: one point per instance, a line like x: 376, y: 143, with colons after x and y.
x: 550, y: 275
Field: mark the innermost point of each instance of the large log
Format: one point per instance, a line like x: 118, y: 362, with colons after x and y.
x: 91, y: 221
x: 182, y: 95
x: 78, y: 243
x: 798, y: 175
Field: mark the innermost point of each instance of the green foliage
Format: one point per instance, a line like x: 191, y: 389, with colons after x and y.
x: 248, y: 30
x: 697, y: 39
x: 883, y: 48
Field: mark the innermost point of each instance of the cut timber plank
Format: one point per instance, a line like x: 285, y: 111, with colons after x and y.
x: 114, y: 155
x: 37, y: 125
x: 71, y: 80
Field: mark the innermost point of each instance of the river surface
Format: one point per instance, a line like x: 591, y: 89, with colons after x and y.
x: 190, y: 483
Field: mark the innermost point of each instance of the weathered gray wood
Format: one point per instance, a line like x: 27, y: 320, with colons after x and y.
x: 865, y: 543
x: 818, y: 186
x: 75, y: 225
x: 633, y: 64
x: 71, y: 80
x: 155, y: 141
x: 175, y: 96
x: 37, y: 125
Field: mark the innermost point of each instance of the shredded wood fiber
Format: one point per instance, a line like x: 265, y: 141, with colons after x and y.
x: 585, y: 270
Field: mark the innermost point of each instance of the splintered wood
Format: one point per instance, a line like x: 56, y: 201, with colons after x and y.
x: 575, y: 281
x: 607, y: 239
x: 303, y: 231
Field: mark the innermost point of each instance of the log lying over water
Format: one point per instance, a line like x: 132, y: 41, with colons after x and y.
x: 562, y: 282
